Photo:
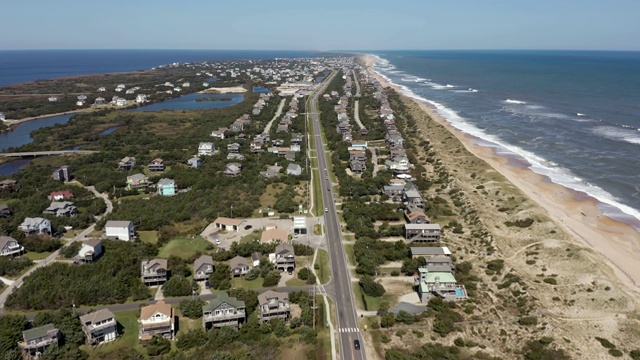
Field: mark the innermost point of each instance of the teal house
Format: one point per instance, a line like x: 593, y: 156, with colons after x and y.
x: 167, y: 187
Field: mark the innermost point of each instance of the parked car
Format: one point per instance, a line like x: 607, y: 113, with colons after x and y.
x: 248, y: 227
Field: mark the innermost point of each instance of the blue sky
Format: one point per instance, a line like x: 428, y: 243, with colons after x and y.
x: 320, y: 25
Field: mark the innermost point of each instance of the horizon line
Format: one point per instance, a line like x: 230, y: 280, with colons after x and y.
x: 313, y: 50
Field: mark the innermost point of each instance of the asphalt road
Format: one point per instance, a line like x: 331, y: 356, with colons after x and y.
x: 348, y: 329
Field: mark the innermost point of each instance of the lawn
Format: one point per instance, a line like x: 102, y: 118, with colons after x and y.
x: 240, y: 282
x: 184, y: 247
x: 150, y: 237
x: 324, y: 273
x: 348, y: 248
x: 255, y: 235
x: 317, y: 229
x: 373, y: 303
x: 128, y: 324
x: 268, y: 198
x: 317, y: 194
x: 37, y: 256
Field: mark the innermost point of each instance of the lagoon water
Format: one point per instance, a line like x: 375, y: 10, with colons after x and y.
x: 189, y: 102
x: 573, y: 115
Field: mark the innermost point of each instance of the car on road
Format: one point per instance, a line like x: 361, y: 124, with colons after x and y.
x: 326, y: 178
x: 356, y: 344
x: 216, y: 241
x: 326, y: 209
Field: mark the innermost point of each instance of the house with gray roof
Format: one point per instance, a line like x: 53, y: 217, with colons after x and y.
x: 35, y: 341
x: 203, y: 267
x: 61, y: 208
x: 239, y: 266
x: 99, y: 326
x: 35, y: 225
x: 89, y: 252
x: 122, y: 230
x: 154, y: 271
x: 127, y: 163
x: 422, y: 232
x: 194, y: 162
x: 137, y: 182
x: 284, y: 257
x: 10, y: 246
x: 274, y: 305
x: 430, y: 252
x: 294, y: 169
x: 223, y: 310
x: 233, y: 170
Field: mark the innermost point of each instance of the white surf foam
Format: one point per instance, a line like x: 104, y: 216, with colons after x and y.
x: 580, y: 114
x: 511, y: 101
x: 617, y: 134
x: 556, y: 173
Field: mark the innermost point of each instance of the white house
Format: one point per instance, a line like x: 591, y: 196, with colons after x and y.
x: 122, y: 230
x: 2, y: 116
x: 141, y: 98
x: 121, y: 102
x: 206, y: 148
x: 36, y: 225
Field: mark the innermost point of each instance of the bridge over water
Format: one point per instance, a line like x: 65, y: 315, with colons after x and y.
x: 46, y: 153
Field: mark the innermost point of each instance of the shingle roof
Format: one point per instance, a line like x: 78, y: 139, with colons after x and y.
x: 222, y: 298
x: 97, y: 316
x: 38, y: 332
x: 159, y: 307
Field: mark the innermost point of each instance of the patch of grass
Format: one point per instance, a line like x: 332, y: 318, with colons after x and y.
x: 184, y: 248
x: 36, y: 256
x: 150, y: 237
x: 317, y: 229
x: 351, y: 257
x: 373, y: 303
x: 240, y: 282
x: 318, y: 206
x: 255, y: 235
x: 268, y: 198
x: 128, y: 322
x: 324, y: 272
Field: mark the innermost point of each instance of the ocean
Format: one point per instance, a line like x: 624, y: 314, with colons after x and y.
x: 573, y: 115
x: 19, y: 66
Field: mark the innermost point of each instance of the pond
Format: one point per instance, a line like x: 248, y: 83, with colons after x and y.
x: 12, y: 167
x: 189, y: 102
x: 260, y: 89
x: 21, y: 135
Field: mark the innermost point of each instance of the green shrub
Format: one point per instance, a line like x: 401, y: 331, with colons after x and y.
x: 528, y: 321
x: 370, y: 287
x: 606, y: 343
x: 521, y: 223
x: 551, y: 281
x: 615, y: 353
x: 458, y: 342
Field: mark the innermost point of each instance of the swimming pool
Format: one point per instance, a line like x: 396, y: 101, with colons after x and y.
x: 459, y: 292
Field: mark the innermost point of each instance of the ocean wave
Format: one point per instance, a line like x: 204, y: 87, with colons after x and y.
x: 580, y: 114
x: 511, y: 101
x: 617, y: 134
x: 464, y: 91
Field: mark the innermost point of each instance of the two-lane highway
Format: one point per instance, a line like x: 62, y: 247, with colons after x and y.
x: 348, y: 329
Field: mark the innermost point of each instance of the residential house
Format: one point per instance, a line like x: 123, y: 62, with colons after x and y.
x: 294, y: 169
x: 290, y: 156
x: 141, y: 98
x: 347, y: 136
x: 393, y: 190
x: 413, y: 197
x: 358, y: 155
x: 122, y: 230
x: 35, y: 341
x: 202, y: 267
x: 239, y: 266
x: 194, y: 162
x: 271, y: 172
x: 422, y: 232
x: 59, y: 195
x: 274, y: 235
x: 99, y: 326
x: 274, y: 305
x: 36, y: 225
x: 223, y: 310
x: 255, y: 258
x: 359, y: 145
x: 10, y: 184
x: 235, y: 156
x: 10, y: 246
x: 127, y: 163
x: 233, y: 170
x: 233, y: 148
x: 157, y: 165
x: 357, y: 167
x: 62, y: 174
x: 219, y: 133
x: 284, y: 257
x: 102, y: 89
x: 89, y: 252
x: 228, y: 224
x: 61, y: 208
x: 2, y: 116
x: 167, y: 187
x: 154, y: 271
x: 137, y: 182
x: 156, y: 320
x: 429, y: 252
x: 296, y: 139
x: 206, y: 148
x: 442, y: 284
x: 415, y: 215
x: 5, y: 212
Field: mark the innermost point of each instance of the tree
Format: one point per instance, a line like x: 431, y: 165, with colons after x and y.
x: 192, y: 338
x: 178, y: 285
x: 252, y: 274
x: 158, y: 346
x: 387, y: 320
x: 220, y: 279
x: 191, y: 308
x: 371, y: 287
x: 11, y: 327
x: 303, y: 274
x: 272, y: 279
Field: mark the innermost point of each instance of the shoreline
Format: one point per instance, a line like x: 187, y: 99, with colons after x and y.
x: 11, y: 124
x: 576, y: 213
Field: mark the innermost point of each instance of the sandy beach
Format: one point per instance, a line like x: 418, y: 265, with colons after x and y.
x: 576, y: 213
x: 224, y: 90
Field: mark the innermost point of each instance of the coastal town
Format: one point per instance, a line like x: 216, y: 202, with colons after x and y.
x: 285, y: 208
